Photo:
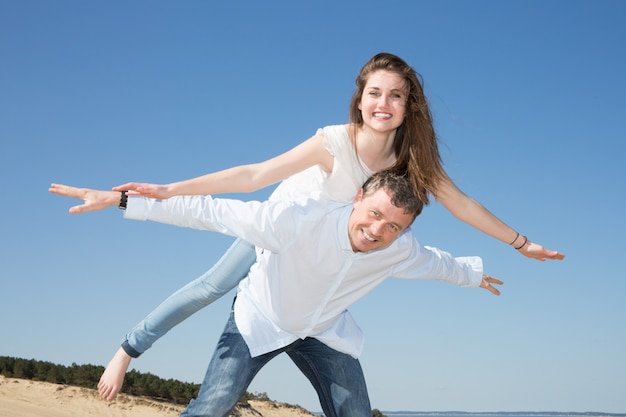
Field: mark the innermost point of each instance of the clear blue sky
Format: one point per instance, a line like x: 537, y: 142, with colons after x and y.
x: 529, y: 103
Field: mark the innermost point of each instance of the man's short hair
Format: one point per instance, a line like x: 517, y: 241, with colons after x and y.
x: 397, y: 183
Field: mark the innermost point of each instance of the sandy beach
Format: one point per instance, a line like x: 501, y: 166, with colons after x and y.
x: 24, y: 398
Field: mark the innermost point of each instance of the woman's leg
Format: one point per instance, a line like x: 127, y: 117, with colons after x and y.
x: 210, y: 286
x: 224, y: 276
x: 337, y: 378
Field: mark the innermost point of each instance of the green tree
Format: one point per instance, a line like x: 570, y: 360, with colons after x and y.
x: 24, y: 369
x: 6, y: 366
x: 377, y: 413
x: 88, y: 376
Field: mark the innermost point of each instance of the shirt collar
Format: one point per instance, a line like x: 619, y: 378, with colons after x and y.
x: 342, y: 226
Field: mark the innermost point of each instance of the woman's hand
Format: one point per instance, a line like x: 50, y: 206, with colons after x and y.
x: 536, y: 251
x: 145, y: 189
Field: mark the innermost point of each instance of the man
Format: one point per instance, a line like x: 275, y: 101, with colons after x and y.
x: 315, y: 260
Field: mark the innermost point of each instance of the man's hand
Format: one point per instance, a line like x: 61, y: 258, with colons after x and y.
x: 486, y: 284
x: 94, y: 199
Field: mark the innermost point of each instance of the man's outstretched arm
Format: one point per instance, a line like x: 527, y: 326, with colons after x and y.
x: 94, y: 200
x: 252, y: 221
x: 486, y: 284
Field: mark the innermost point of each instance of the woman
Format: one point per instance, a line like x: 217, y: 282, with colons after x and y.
x: 390, y: 127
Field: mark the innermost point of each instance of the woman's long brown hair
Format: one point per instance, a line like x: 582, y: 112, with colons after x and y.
x: 415, y: 145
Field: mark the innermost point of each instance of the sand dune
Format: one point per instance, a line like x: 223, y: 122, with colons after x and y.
x: 23, y: 398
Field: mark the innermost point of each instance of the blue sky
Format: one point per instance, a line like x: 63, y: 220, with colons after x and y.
x: 529, y: 103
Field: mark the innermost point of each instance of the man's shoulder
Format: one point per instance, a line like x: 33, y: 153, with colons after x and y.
x: 313, y: 207
x: 294, y: 220
x: 307, y: 212
x: 406, y: 242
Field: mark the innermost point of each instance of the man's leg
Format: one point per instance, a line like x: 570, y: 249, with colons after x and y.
x: 337, y: 378
x: 229, y: 374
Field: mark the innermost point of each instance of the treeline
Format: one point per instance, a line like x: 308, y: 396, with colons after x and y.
x: 135, y: 383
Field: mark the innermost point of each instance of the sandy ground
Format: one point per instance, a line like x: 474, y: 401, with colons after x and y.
x: 23, y: 398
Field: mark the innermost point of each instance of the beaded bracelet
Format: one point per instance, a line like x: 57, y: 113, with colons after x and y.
x: 523, y: 244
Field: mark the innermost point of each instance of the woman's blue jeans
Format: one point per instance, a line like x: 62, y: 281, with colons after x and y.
x: 223, y: 277
x: 337, y: 378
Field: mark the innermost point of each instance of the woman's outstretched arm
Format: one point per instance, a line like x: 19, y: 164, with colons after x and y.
x: 473, y: 213
x: 243, y: 178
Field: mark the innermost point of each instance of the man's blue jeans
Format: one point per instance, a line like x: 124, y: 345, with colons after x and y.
x: 223, y: 277
x: 337, y: 378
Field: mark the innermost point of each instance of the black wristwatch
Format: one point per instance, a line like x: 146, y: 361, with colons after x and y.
x: 123, y: 200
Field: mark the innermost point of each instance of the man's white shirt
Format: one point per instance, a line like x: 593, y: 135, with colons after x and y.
x: 306, y: 274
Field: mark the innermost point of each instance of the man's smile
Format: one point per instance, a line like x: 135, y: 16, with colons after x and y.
x: 368, y: 237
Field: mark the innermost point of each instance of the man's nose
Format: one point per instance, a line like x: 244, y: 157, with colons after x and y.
x: 377, y: 227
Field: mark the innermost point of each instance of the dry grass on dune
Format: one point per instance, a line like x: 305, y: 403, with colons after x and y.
x: 24, y: 398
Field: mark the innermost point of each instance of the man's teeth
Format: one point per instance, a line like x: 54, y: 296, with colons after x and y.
x: 368, y: 237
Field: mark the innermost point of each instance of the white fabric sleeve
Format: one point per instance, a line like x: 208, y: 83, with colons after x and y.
x: 425, y: 262
x: 252, y: 221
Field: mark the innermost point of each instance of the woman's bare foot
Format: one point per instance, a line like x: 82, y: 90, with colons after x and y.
x: 113, y: 376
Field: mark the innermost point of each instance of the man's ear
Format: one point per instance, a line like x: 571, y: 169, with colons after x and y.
x: 359, y: 196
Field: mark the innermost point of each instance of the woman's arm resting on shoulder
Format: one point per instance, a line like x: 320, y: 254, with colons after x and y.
x: 243, y: 178
x: 473, y: 213
x: 93, y: 199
